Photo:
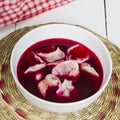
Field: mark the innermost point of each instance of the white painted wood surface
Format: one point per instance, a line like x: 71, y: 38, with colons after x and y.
x: 6, y: 30
x: 88, y: 13
x: 113, y: 21
x: 82, y: 12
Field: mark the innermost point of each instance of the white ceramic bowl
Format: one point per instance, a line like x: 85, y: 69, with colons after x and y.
x: 62, y: 31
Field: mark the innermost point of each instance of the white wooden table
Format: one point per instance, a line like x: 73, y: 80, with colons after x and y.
x: 100, y: 16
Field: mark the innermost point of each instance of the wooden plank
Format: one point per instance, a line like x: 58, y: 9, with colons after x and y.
x: 88, y: 13
x: 113, y: 21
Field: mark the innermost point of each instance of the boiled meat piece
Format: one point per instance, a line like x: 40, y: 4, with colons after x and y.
x: 42, y: 87
x: 78, y: 52
x: 35, y: 68
x: 38, y: 58
x: 65, y: 89
x: 52, y: 56
x: 81, y: 60
x: 49, y: 81
x: 38, y: 76
x: 55, y: 63
x: 32, y: 58
x: 52, y: 80
x: 71, y: 49
x: 68, y: 68
x: 89, y: 69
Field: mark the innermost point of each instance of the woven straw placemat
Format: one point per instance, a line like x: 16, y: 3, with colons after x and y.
x: 13, y: 106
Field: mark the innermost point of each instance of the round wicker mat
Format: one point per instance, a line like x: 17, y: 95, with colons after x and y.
x: 13, y: 105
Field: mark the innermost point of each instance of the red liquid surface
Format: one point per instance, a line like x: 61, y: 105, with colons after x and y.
x: 85, y: 84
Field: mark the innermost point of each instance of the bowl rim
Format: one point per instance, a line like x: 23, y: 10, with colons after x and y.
x: 19, y: 86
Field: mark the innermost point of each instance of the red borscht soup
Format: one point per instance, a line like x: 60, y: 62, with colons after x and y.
x: 60, y: 70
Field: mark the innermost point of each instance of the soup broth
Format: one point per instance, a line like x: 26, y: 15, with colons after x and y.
x: 60, y: 70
